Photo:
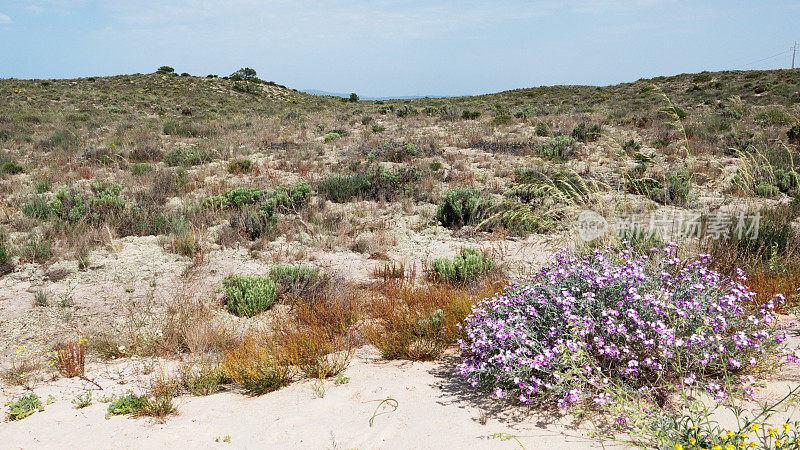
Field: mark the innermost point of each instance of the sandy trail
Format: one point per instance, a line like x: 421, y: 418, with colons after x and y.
x: 435, y: 409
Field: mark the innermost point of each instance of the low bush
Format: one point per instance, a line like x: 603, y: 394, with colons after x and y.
x: 586, y: 133
x: 467, y: 266
x: 373, y: 183
x: 297, y: 281
x: 248, y: 296
x: 673, y: 190
x: 10, y: 168
x: 185, y: 129
x: 586, y: 327
x: 559, y: 147
x: 158, y: 406
x: 240, y: 166
x: 461, y: 206
x: 24, y: 407
x: 185, y: 156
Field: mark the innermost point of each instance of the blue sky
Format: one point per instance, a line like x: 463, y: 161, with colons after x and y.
x: 394, y: 48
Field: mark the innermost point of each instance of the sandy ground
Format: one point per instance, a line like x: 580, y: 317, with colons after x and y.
x: 434, y: 410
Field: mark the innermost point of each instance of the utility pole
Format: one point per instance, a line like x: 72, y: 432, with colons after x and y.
x: 794, y: 52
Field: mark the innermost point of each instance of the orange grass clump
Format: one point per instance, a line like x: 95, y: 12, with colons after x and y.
x: 420, y: 322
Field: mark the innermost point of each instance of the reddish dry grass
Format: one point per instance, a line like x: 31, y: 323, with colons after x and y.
x: 71, y: 359
x: 420, y: 322
x: 767, y: 284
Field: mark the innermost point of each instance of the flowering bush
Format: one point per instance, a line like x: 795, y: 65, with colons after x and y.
x: 616, y: 319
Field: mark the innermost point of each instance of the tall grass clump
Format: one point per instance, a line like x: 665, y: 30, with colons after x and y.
x: 586, y: 327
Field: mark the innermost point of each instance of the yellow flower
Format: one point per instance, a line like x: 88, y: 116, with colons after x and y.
x: 741, y: 444
x: 678, y: 447
x: 730, y: 433
x: 729, y: 447
x: 771, y: 431
x: 692, y: 441
x: 754, y: 427
x: 716, y: 447
x: 785, y: 427
x: 752, y: 445
x: 778, y: 443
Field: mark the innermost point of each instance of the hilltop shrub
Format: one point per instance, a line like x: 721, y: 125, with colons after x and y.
x: 674, y: 190
x: 185, y: 129
x: 585, y: 326
x: 248, y: 296
x: 10, y: 168
x: 466, y: 267
x: 183, y: 156
x: 459, y: 207
x: 586, y: 133
x: 559, y: 147
x: 240, y: 166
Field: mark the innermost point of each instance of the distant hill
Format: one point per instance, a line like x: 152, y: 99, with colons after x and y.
x: 339, y: 94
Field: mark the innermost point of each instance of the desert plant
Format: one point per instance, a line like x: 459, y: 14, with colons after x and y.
x: 460, y: 206
x: 248, y: 296
x: 467, y: 266
x: 257, y: 366
x: 24, y: 407
x: 71, y: 359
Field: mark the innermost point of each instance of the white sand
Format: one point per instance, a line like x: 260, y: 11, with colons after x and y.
x: 435, y: 410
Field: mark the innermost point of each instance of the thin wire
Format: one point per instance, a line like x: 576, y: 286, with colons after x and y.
x: 765, y: 59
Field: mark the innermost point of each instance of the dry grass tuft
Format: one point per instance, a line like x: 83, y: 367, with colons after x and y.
x: 70, y: 359
x: 420, y: 322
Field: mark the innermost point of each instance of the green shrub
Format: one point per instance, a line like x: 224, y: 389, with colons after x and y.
x: 459, y: 207
x: 467, y: 266
x: 24, y: 407
x: 165, y: 70
x: 140, y: 169
x: 297, y: 280
x: 674, y: 190
x: 542, y: 129
x: 374, y: 183
x: 10, y: 168
x: 185, y: 128
x: 378, y: 128
x: 774, y: 116
x: 470, y: 115
x: 503, y: 119
x: 410, y: 149
x: 127, y: 404
x: 333, y: 135
x: 240, y: 166
x: 248, y: 296
x: 186, y: 157
x: 793, y: 134
x: 559, y: 147
x: 586, y: 133
x: 631, y: 146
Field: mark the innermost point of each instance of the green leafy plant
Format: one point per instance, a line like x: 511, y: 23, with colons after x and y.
x: 248, y: 296
x: 467, y: 266
x: 24, y: 407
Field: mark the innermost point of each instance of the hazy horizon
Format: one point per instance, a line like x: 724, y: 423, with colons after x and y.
x: 396, y: 49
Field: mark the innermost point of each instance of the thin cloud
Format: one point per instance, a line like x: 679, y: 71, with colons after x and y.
x: 4, y: 19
